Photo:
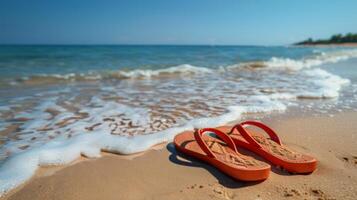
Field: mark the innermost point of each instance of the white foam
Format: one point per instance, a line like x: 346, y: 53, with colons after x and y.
x: 323, y: 58
x: 4, y: 108
x: 39, y: 112
x: 282, y: 95
x: 54, y: 76
x: 297, y: 64
x: 180, y: 69
x: 138, y: 116
x: 21, y: 167
x: 3, y: 126
x: 326, y: 85
x: 183, y: 69
x: 264, y: 103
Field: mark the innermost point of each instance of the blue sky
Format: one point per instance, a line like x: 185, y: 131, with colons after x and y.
x: 249, y: 22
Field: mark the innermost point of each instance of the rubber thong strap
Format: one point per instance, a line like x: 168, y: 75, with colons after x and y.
x: 223, y: 136
x: 240, y: 127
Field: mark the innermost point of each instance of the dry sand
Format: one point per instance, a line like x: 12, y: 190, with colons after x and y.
x: 164, y: 174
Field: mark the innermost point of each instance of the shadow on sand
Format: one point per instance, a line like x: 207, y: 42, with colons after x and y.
x: 226, y: 181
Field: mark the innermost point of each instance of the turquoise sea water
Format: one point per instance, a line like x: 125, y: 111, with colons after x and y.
x: 60, y: 102
x: 19, y: 61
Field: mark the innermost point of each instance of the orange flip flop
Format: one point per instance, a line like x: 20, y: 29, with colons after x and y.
x: 221, y: 153
x: 270, y: 148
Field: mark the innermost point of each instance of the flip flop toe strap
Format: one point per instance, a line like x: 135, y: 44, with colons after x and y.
x: 240, y: 128
x: 221, y: 135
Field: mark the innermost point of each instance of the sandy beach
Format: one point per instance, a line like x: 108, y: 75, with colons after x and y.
x: 165, y: 174
x: 99, y: 100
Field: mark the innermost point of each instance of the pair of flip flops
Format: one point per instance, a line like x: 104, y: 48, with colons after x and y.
x: 218, y: 147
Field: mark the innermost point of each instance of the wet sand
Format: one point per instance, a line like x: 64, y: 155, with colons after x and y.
x: 165, y: 174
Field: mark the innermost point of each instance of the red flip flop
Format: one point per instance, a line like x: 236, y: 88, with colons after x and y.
x: 270, y: 148
x: 221, y: 153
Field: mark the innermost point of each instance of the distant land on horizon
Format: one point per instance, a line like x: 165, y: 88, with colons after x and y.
x: 349, y: 39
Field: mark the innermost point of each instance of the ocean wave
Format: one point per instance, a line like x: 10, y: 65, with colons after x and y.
x: 326, y: 85
x: 187, y: 69
x: 184, y: 69
x: 180, y: 69
x: 299, y: 64
x: 316, y: 60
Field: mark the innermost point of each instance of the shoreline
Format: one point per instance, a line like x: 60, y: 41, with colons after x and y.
x: 164, y: 174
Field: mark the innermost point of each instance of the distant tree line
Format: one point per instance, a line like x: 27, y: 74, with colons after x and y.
x: 335, y: 39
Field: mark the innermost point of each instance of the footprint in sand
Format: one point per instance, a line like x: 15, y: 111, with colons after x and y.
x: 215, y: 191
x: 352, y: 160
x: 221, y: 192
x: 304, y: 193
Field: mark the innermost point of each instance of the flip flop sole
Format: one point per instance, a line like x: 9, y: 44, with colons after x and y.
x: 185, y: 142
x: 274, y: 153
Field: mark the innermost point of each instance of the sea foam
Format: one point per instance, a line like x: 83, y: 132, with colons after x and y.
x: 298, y: 64
x: 327, y: 85
x: 180, y: 69
x: 59, y: 151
